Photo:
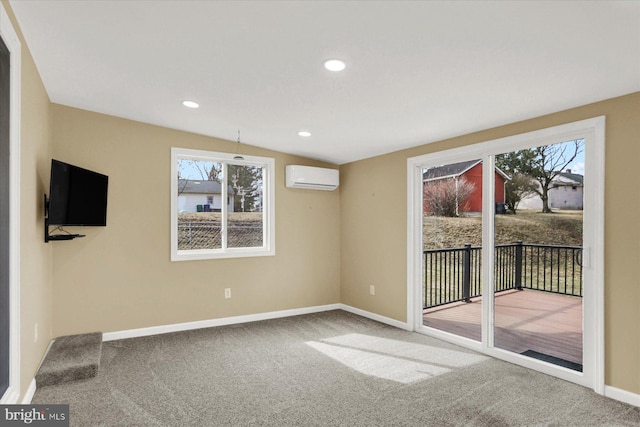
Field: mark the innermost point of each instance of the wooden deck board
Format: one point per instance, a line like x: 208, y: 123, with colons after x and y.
x: 524, y: 320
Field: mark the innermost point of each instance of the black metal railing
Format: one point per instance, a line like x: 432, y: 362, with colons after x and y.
x: 451, y: 275
x: 455, y: 274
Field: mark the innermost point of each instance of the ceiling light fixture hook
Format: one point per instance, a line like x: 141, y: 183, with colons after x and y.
x: 238, y: 156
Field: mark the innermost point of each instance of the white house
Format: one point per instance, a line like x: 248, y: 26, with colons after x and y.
x: 566, y: 192
x: 207, y: 194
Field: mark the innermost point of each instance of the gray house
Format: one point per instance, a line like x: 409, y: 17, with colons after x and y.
x: 207, y: 194
x: 566, y: 192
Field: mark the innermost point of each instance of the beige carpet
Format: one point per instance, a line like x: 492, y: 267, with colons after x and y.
x: 325, y: 369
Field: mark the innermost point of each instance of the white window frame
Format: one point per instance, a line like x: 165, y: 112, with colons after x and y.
x: 593, y: 132
x: 268, y: 202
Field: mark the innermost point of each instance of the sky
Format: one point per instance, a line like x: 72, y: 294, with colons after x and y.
x: 577, y: 165
x: 189, y: 170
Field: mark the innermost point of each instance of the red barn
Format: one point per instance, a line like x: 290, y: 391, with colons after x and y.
x: 471, y: 171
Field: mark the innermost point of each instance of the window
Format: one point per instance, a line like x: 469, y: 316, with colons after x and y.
x: 202, y: 225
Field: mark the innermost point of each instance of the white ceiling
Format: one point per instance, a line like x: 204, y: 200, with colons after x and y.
x: 417, y: 72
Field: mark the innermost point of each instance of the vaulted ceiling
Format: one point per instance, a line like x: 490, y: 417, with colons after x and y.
x: 416, y: 72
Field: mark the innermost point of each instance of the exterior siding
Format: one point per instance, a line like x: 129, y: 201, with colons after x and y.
x: 566, y: 197
x: 561, y: 197
x: 474, y: 176
x: 189, y: 202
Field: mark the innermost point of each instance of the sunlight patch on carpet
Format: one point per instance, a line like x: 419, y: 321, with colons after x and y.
x: 399, y: 361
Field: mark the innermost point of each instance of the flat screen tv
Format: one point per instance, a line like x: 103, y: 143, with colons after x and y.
x: 77, y: 196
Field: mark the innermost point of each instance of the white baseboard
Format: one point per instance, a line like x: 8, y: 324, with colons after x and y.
x: 378, y: 318
x: 31, y: 390
x: 622, y: 395
x: 609, y: 391
x: 156, y: 330
x: 10, y: 396
x: 28, y: 395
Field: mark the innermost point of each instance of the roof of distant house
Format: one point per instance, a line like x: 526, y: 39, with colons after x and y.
x: 453, y: 170
x: 569, y: 178
x: 194, y: 186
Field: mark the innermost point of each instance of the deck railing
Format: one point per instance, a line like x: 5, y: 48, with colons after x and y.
x: 455, y: 274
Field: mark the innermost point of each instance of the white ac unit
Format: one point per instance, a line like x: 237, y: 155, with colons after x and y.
x: 312, y: 178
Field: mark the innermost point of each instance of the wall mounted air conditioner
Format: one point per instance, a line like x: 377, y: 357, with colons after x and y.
x: 312, y: 178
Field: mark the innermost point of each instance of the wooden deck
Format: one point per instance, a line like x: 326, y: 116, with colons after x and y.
x: 525, y: 320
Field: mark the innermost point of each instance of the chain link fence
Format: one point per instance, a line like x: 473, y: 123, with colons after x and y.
x: 208, y: 234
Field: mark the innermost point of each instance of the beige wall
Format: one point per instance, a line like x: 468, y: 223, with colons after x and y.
x: 373, y: 214
x: 331, y: 246
x: 35, y: 255
x: 121, y: 277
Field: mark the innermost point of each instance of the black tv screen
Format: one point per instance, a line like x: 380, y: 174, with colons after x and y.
x: 77, y: 196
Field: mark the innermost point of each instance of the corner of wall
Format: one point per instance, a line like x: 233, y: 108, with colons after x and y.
x: 35, y: 148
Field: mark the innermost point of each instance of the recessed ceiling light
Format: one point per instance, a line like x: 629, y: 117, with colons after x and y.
x: 190, y: 104
x: 304, y: 133
x: 334, y: 65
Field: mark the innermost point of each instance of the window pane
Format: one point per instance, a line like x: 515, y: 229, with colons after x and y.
x: 245, y: 215
x: 538, y: 253
x: 452, y: 230
x: 199, y: 204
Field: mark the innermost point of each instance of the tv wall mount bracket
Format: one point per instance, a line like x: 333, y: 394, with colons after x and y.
x: 62, y: 236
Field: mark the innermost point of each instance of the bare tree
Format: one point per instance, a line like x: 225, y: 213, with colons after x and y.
x: 447, y: 197
x: 208, y: 171
x: 181, y: 185
x: 543, y: 164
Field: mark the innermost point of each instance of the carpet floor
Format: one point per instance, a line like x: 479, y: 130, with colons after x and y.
x: 325, y: 369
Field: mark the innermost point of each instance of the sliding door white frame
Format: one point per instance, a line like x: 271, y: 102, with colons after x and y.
x: 11, y: 40
x: 592, y: 130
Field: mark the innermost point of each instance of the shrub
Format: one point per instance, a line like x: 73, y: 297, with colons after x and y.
x: 447, y: 197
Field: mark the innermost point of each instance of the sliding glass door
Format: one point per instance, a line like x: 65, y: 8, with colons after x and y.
x: 505, y: 249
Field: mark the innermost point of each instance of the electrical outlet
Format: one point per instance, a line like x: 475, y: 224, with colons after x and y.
x: 35, y: 333
x: 372, y: 290
x: 227, y: 293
